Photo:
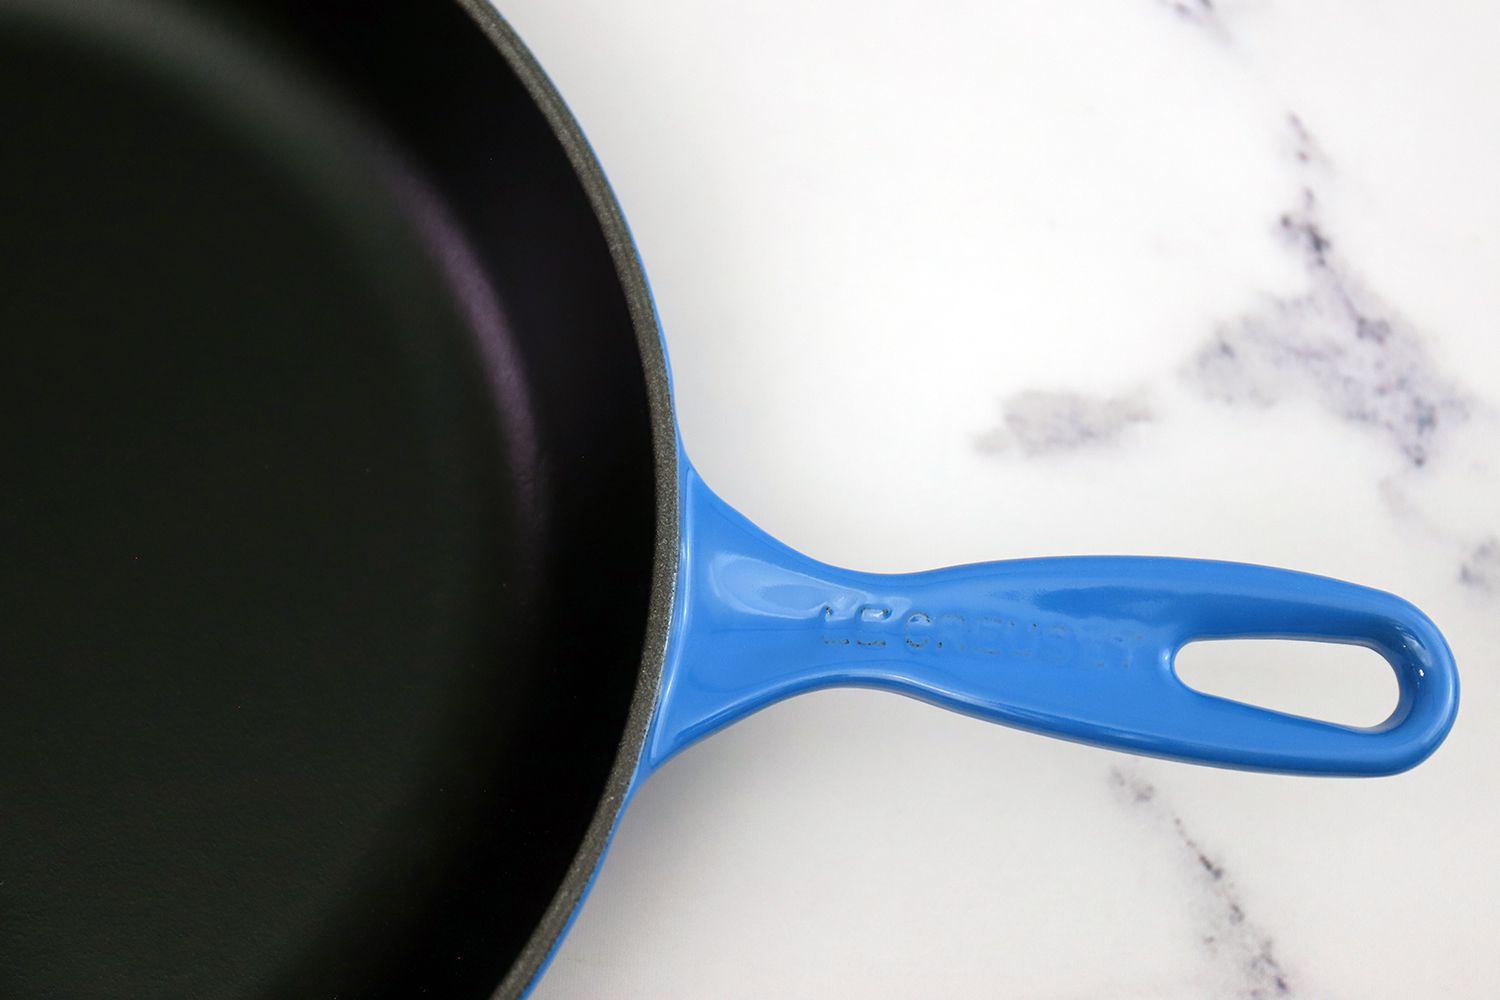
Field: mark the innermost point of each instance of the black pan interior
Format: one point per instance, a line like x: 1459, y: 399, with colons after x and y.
x: 327, y: 502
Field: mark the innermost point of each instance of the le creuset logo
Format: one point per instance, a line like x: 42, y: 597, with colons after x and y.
x: 875, y: 627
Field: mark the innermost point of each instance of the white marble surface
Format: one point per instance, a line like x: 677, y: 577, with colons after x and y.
x: 967, y: 280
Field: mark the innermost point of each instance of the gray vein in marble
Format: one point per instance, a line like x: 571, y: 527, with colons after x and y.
x: 1238, y: 947
x: 1040, y: 423
x: 1199, y: 13
x: 1337, y: 342
x: 1305, y: 149
x: 1481, y: 570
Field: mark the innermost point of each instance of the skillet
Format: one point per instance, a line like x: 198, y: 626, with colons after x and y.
x: 352, y: 575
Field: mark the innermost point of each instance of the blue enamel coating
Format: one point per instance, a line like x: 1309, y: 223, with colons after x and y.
x: 1079, y: 647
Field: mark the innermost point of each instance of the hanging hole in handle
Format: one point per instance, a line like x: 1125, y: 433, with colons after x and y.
x: 1336, y: 682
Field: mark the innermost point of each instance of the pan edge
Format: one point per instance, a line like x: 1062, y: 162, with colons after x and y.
x: 538, y: 949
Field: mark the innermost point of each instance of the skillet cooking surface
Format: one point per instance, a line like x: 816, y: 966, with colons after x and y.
x: 322, y: 409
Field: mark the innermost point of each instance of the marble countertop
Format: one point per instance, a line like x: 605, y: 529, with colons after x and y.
x: 973, y: 281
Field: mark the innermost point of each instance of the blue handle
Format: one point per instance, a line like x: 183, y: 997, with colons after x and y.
x: 1080, y: 648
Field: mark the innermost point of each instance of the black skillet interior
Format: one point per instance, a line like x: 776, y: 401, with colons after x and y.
x: 327, y: 503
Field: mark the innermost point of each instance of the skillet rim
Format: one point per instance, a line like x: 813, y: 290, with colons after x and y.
x: 537, y: 951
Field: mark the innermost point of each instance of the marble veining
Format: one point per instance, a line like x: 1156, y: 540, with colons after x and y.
x: 1040, y: 422
x: 1336, y: 340
x: 1481, y: 570
x: 1354, y: 352
x: 1241, y: 951
x: 1202, y: 14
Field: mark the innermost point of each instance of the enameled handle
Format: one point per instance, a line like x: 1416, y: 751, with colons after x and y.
x: 1081, y: 648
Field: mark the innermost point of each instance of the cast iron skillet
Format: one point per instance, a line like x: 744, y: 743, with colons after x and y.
x: 351, y: 574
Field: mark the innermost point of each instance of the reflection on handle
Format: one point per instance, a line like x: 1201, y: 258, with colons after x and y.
x: 1080, y: 648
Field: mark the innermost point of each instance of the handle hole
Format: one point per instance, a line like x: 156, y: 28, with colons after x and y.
x: 1335, y: 682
